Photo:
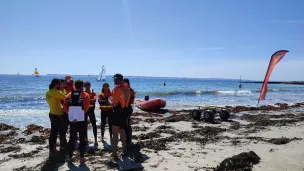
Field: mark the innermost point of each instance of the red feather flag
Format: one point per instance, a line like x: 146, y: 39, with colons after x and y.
x: 275, y: 58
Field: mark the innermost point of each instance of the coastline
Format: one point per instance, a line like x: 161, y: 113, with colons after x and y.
x: 177, y: 142
x: 275, y: 82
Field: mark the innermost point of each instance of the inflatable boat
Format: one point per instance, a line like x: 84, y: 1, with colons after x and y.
x: 153, y: 104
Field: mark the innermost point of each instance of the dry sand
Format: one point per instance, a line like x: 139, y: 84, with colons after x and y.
x: 177, y: 143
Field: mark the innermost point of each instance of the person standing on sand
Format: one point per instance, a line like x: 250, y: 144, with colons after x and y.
x: 91, y: 112
x: 106, y: 109
x: 54, y: 98
x: 128, y: 128
x: 120, y: 101
x: 77, y: 103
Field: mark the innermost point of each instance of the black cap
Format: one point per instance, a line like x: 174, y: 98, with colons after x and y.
x: 118, y: 76
x: 86, y: 83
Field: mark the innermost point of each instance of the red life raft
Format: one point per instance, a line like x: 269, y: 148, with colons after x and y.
x: 153, y: 104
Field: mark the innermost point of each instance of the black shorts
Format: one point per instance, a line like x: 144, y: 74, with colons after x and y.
x: 119, y: 118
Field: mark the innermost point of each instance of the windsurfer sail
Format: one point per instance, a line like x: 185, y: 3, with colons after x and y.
x: 102, y: 75
x: 275, y: 58
x: 36, y: 73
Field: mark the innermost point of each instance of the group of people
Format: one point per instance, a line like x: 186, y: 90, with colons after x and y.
x: 72, y: 103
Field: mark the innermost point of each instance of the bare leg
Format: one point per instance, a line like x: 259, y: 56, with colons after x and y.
x: 115, y: 131
x: 123, y: 139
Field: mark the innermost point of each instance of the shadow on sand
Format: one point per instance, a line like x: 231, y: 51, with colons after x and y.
x: 132, y: 161
x: 83, y: 167
x: 53, y: 163
x: 159, y: 111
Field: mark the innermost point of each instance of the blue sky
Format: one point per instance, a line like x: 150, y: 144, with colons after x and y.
x: 196, y: 38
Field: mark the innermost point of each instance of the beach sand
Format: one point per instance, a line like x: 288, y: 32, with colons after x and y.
x: 177, y: 142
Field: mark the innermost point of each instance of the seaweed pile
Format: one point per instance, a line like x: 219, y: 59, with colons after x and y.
x: 165, y: 129
x: 140, y: 128
x: 262, y: 120
x: 201, y: 136
x: 276, y: 141
x: 177, y: 118
x: 278, y: 106
x: 7, y: 137
x: 235, y: 125
x: 5, y: 127
x: 242, y: 161
x: 38, y: 139
x: 30, y: 129
x: 149, y: 135
x: 10, y: 149
x: 24, y: 155
x: 147, y: 114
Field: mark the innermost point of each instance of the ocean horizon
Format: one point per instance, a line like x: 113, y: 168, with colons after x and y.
x: 111, y: 75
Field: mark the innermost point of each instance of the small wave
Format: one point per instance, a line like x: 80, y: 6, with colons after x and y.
x: 235, y: 92
x: 164, y: 94
x: 20, y: 99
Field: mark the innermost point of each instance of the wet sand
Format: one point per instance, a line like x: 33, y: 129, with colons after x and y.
x: 265, y: 138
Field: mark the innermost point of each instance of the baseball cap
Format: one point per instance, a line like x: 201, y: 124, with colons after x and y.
x: 118, y: 76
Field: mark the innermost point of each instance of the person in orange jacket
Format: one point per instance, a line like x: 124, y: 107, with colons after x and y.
x: 70, y: 83
x: 106, y: 109
x: 128, y: 128
x: 120, y: 100
x: 91, y: 112
x: 75, y: 104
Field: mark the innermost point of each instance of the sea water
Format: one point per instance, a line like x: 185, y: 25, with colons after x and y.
x: 22, y: 98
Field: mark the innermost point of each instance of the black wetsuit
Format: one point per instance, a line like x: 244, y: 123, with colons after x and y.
x: 105, y: 114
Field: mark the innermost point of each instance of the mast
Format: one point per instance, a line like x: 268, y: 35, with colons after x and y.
x: 101, y: 74
x: 240, y: 86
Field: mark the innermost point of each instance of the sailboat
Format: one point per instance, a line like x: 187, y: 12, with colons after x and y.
x: 102, y: 75
x: 240, y: 86
x: 36, y: 73
x: 18, y: 73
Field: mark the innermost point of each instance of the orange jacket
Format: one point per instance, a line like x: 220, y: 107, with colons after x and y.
x: 121, y: 94
x: 105, y: 106
x: 86, y: 102
x: 92, y: 95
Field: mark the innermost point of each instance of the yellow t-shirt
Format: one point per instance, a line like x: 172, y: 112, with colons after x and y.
x: 54, y: 98
x: 63, y: 91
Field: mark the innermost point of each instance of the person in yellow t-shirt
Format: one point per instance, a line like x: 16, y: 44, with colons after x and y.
x: 54, y: 98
